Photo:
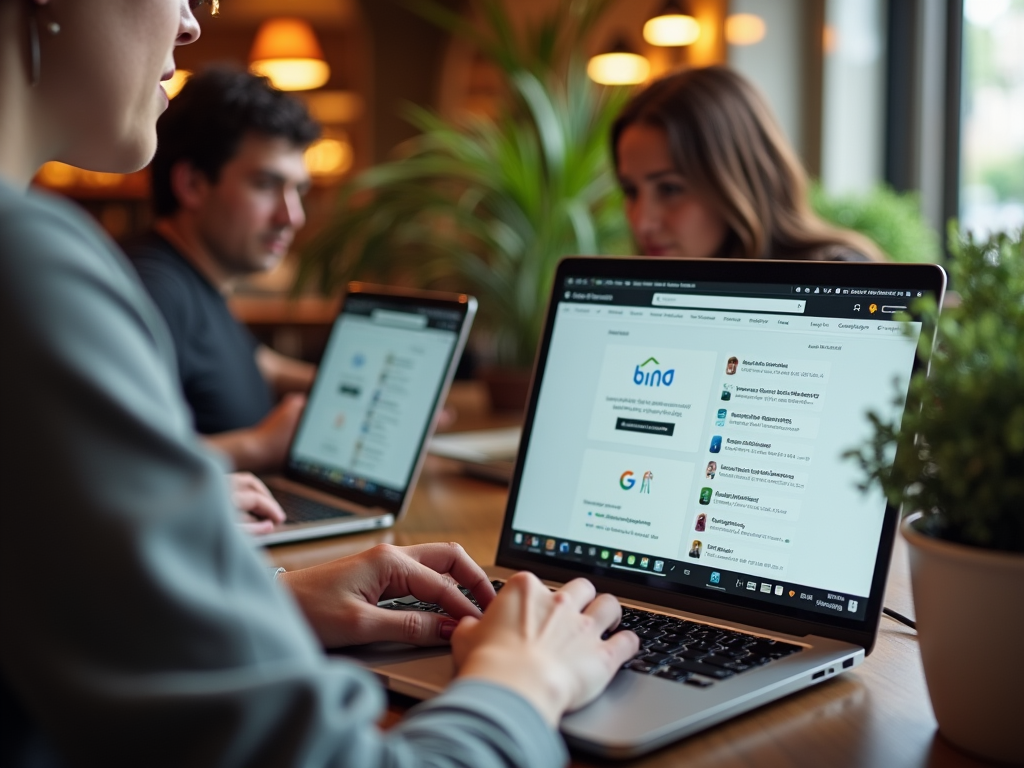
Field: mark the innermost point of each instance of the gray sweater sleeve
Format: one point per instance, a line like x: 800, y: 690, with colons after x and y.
x: 148, y: 631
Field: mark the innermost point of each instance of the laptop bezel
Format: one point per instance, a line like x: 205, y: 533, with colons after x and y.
x: 462, y: 302
x: 925, y: 277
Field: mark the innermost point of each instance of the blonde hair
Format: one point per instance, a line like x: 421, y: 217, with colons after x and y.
x: 725, y: 141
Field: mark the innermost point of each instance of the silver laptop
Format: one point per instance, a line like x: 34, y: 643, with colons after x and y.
x: 360, y: 443
x: 684, y: 449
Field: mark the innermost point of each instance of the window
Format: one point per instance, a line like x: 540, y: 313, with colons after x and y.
x: 992, y: 133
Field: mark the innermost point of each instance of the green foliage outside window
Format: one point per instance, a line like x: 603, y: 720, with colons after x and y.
x: 893, y: 221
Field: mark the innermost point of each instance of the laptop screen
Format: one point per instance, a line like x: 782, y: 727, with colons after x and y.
x: 375, y: 393
x: 690, y: 435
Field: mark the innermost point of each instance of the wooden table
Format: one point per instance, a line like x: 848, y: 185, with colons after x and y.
x: 876, y: 716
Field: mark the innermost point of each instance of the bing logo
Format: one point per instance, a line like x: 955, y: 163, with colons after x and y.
x: 626, y: 481
x: 653, y: 377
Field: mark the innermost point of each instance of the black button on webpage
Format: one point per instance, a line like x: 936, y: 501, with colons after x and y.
x: 665, y: 428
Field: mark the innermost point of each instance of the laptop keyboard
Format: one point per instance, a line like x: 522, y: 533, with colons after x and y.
x: 299, y: 509
x: 694, y: 653
x: 671, y: 648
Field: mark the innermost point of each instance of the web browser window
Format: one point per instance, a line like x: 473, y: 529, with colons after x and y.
x: 695, y: 433
x: 376, y: 390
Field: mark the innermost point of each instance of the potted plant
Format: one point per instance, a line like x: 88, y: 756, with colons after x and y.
x: 489, y: 206
x: 959, y: 468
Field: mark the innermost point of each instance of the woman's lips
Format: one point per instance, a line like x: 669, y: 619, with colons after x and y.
x: 163, y: 91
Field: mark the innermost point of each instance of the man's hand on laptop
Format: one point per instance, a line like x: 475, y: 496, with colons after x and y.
x: 260, y: 510
x: 274, y: 434
x: 547, y: 646
x: 340, y: 598
x: 262, y: 447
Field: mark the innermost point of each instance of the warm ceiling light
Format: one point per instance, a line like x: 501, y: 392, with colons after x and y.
x: 58, y: 175
x: 673, y: 26
x: 619, y: 66
x: 335, y: 107
x: 99, y: 179
x: 287, y: 53
x: 744, y: 29
x: 173, y: 86
x: 329, y: 157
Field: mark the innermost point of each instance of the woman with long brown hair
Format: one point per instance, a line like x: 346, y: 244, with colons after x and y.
x: 707, y: 173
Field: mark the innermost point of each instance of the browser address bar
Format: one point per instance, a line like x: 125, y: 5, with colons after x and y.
x: 694, y: 301
x: 398, y: 319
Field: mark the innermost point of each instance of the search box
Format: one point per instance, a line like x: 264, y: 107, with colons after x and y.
x: 695, y: 301
x: 399, y: 319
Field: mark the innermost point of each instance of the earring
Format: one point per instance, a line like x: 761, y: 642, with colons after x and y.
x: 34, y: 54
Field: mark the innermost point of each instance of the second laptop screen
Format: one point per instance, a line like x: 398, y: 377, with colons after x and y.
x: 375, y: 392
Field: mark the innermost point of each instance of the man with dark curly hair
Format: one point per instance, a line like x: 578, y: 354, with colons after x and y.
x: 228, y: 181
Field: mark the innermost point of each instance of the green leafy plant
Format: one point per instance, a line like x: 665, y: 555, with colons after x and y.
x: 544, y: 47
x: 890, y: 219
x: 960, y: 446
x: 489, y: 206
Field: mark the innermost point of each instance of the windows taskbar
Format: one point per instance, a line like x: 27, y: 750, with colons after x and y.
x: 692, y: 573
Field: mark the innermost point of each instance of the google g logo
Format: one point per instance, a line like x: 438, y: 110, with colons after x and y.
x: 626, y: 481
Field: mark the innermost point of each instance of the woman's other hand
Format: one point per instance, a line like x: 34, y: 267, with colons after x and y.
x: 340, y: 598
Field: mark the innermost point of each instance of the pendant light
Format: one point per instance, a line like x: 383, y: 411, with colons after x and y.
x: 744, y: 29
x: 287, y: 53
x: 619, y: 66
x: 673, y: 26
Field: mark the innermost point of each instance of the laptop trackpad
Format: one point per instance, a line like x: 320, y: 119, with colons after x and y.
x: 419, y: 672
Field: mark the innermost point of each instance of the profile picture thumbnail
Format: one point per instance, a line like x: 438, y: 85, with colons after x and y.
x: 702, y: 521
x: 709, y: 473
x: 695, y: 549
x: 731, y: 365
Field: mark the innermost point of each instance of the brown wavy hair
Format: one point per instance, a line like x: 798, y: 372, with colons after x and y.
x: 726, y: 143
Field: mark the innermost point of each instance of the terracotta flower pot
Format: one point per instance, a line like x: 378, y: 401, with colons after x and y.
x: 970, y: 623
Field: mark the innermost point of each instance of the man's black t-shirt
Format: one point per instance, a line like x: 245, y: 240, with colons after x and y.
x: 216, y: 354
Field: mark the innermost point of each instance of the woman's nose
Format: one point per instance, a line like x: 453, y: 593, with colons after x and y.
x: 645, y: 214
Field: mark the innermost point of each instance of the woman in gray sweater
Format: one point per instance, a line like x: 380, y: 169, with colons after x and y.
x: 140, y: 627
